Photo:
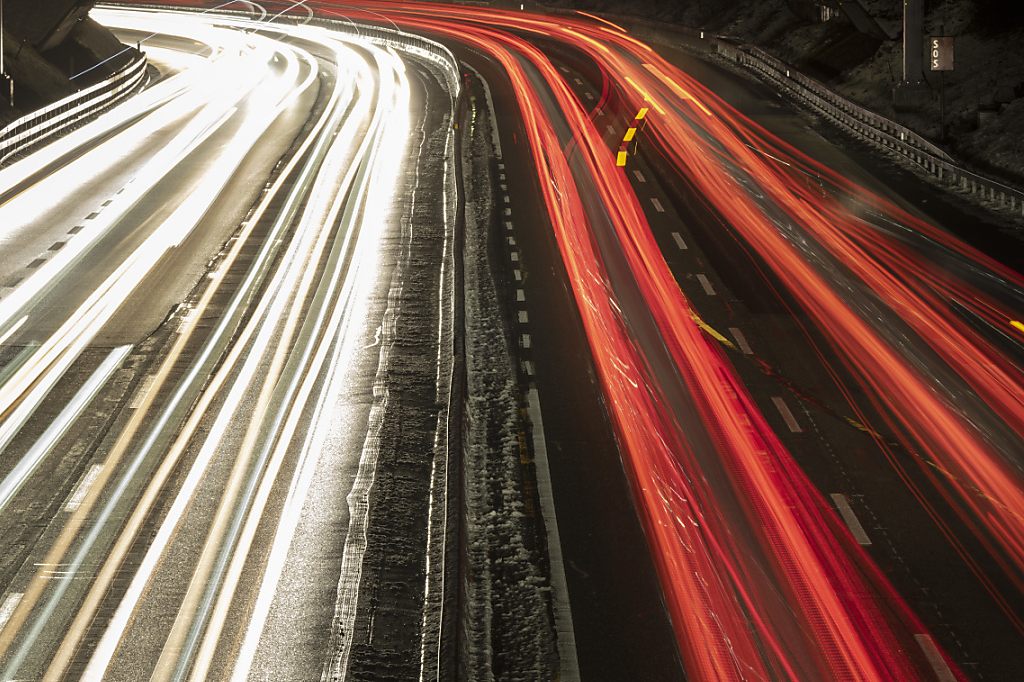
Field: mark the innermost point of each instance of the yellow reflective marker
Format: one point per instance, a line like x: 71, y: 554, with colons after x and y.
x: 1019, y: 325
x: 620, y: 160
x: 630, y: 132
x: 710, y: 331
x: 640, y: 114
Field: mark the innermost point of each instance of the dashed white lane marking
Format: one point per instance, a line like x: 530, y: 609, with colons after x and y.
x: 639, y: 176
x: 506, y: 199
x: 741, y: 341
x: 140, y: 395
x: 508, y: 212
x: 83, y: 488
x: 852, y: 522
x: 7, y: 608
x: 679, y: 241
x: 706, y: 284
x: 657, y: 205
x: 935, y: 659
x: 524, y: 317
x: 515, y: 256
x: 518, y: 274
x: 520, y: 295
x: 578, y: 81
x: 511, y: 241
x: 590, y: 95
x: 501, y: 166
x: 501, y: 176
x: 508, y: 224
x: 787, y: 415
x: 528, y: 367
x: 611, y: 130
x: 525, y: 341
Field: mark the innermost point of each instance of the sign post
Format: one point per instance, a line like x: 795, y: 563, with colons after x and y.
x: 940, y: 58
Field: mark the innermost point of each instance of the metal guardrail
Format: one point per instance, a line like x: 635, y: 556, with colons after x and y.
x: 41, y: 125
x: 868, y: 125
x: 871, y: 127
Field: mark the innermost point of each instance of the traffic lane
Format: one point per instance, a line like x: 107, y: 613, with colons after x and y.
x: 993, y: 234
x: 56, y: 521
x: 620, y: 620
x: 181, y: 267
x: 144, y: 640
x: 296, y: 635
x: 818, y: 392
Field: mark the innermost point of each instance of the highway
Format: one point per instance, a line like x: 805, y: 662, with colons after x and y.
x: 783, y: 398
x: 913, y: 327
x: 217, y: 257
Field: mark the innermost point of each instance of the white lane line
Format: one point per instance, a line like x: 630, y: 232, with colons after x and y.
x: 501, y: 176
x: 76, y: 499
x: 518, y: 275
x: 7, y: 609
x: 639, y: 176
x: 706, y: 284
x: 657, y: 205
x: 590, y: 95
x: 852, y: 522
x: 508, y: 211
x: 679, y: 241
x: 524, y: 317
x: 14, y: 480
x: 501, y: 166
x: 570, y: 671
x: 10, y: 332
x: 525, y: 341
x: 563, y: 69
x: 528, y: 367
x: 506, y: 199
x: 787, y: 415
x: 511, y: 241
x: 741, y: 341
x: 144, y: 389
x: 515, y: 256
x: 520, y: 295
x: 504, y: 187
x: 935, y: 659
x: 508, y: 224
x: 611, y: 130
x: 578, y: 81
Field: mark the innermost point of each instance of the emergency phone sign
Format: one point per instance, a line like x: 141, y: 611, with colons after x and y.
x: 940, y: 53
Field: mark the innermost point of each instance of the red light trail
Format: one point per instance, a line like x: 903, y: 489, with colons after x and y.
x: 762, y: 579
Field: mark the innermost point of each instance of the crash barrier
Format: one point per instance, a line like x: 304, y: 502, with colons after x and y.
x: 873, y: 128
x: 44, y: 124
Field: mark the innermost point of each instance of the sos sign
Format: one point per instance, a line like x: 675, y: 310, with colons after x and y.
x: 940, y: 53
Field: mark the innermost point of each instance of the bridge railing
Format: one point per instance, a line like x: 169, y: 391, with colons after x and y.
x: 42, y: 125
x: 869, y: 126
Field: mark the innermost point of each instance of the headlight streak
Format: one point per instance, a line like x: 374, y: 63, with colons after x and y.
x: 38, y: 585
x: 21, y: 393
x: 13, y: 481
x: 380, y: 187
